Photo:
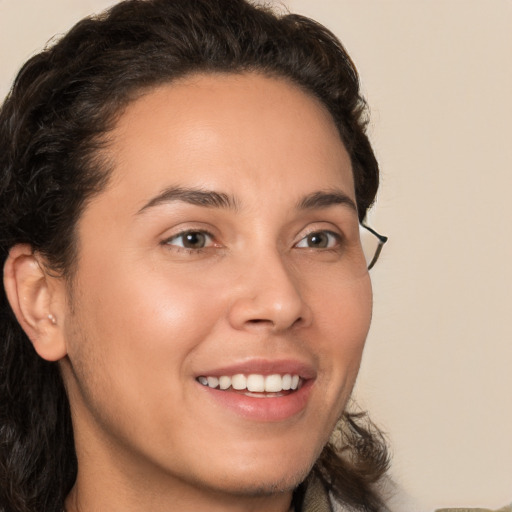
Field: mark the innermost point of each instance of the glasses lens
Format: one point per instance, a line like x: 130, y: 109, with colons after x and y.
x: 372, y: 244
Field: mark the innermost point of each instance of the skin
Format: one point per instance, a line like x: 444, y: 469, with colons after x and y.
x: 147, y: 315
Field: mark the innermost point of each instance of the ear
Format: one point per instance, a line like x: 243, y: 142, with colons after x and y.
x: 37, y: 299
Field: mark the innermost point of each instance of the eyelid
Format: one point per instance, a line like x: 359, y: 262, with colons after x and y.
x: 338, y: 237
x: 167, y: 241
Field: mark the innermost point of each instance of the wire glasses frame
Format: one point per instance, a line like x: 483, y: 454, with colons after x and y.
x: 372, y: 244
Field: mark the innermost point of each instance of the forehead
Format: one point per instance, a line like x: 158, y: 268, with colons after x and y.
x: 229, y: 131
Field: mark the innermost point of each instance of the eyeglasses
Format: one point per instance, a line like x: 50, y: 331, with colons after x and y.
x: 372, y: 244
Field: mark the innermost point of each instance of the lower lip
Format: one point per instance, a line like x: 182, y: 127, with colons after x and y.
x: 276, y: 408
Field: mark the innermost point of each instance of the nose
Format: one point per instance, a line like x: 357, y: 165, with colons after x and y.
x: 268, y: 296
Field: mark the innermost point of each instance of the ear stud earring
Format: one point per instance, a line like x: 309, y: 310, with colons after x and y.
x: 52, y: 319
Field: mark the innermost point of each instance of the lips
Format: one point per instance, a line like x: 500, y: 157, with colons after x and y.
x: 286, y: 386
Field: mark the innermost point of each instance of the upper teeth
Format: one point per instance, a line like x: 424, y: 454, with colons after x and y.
x: 253, y: 382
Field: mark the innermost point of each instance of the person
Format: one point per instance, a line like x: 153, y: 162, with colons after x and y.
x: 186, y: 294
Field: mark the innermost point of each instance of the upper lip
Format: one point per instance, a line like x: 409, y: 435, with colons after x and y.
x: 264, y: 367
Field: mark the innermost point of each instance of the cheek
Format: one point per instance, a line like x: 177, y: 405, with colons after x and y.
x: 345, y: 309
x: 343, y: 318
x: 149, y: 322
x: 141, y: 300
x: 135, y: 338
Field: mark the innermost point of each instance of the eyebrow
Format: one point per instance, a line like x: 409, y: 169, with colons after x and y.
x: 213, y: 199
x: 194, y: 196
x: 325, y: 199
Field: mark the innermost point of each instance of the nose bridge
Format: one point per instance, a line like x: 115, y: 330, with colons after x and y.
x: 269, y: 294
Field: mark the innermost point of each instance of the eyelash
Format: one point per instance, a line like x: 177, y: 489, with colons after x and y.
x: 331, y: 234
x: 190, y: 250
x: 168, y: 241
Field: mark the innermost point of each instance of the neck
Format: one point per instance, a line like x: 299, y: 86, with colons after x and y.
x: 83, y: 499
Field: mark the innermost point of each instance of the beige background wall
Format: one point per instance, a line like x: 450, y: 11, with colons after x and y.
x: 438, y: 369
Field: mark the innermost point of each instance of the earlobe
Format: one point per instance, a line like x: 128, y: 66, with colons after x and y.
x: 37, y: 300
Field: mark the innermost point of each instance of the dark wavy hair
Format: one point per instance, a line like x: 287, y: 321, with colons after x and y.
x: 53, y: 125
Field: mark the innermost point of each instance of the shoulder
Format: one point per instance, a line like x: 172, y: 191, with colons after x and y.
x: 318, y: 499
x: 507, y: 508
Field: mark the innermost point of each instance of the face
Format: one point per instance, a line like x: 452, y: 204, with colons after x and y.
x: 221, y: 301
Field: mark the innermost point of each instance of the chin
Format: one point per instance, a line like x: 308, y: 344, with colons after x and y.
x: 265, y: 485
x: 267, y: 475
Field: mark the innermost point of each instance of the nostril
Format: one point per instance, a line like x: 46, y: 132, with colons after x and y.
x: 261, y: 321
x: 271, y: 323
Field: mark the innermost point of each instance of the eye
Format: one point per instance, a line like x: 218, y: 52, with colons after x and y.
x: 319, y: 240
x: 191, y: 240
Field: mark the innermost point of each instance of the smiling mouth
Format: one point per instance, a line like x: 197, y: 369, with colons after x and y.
x: 255, y: 385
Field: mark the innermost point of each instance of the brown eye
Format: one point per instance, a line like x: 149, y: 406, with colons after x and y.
x: 191, y: 240
x: 319, y: 240
x: 194, y: 240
